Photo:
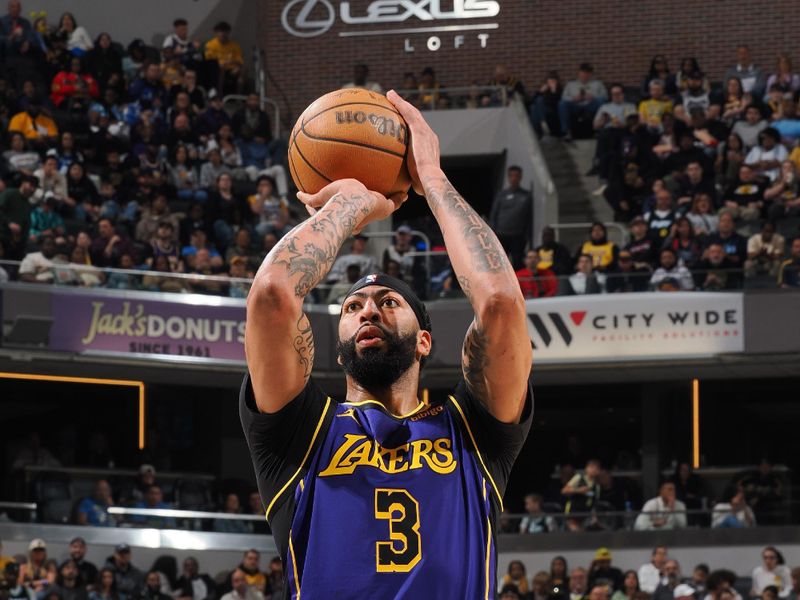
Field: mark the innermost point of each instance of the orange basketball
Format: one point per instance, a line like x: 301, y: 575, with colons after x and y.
x: 350, y: 133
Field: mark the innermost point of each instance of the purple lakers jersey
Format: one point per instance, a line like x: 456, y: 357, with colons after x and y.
x: 392, y: 506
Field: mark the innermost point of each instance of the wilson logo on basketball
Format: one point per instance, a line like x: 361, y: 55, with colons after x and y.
x: 383, y: 125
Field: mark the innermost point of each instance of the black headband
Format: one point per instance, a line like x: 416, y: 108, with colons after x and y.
x: 402, y: 288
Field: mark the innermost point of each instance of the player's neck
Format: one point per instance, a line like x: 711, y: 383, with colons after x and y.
x: 399, y: 399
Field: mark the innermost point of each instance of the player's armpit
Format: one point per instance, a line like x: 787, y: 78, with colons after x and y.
x: 279, y: 345
x: 496, y: 359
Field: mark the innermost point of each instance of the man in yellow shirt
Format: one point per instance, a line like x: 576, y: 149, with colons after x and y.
x: 228, y: 55
x: 651, y: 111
x: 37, y: 127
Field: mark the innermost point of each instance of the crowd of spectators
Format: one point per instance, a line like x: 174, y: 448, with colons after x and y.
x: 38, y: 576
x: 127, y: 157
x: 592, y: 499
x: 658, y: 578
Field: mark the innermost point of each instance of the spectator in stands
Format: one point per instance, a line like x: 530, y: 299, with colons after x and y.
x: 15, y: 30
x: 734, y: 245
x: 104, y: 62
x: 512, y: 85
x: 734, y: 101
x: 795, y: 584
x: 37, y: 267
x: 232, y: 506
x: 75, y: 83
x: 689, y: 489
x: 68, y: 584
x: 540, y: 586
x: 110, y: 245
x: 16, y: 589
x: 511, y: 216
x: 37, y: 127
x: 516, y: 576
x: 20, y: 158
x: 271, y: 212
x: 553, y: 255
x: 82, y: 192
x: 79, y: 42
x: 784, y: 195
x: 358, y: 256
x: 228, y: 55
x: 670, y: 271
x: 626, y: 276
x: 717, y: 271
x: 603, y: 252
x: 51, y: 179
x: 584, y: 280
x: 149, y: 88
x: 630, y: 587
x: 581, y: 98
x: 228, y: 210
x: 602, y: 574
x: 656, y: 105
x: 146, y: 478
x: 696, y: 96
x: 732, y: 511
x: 662, y: 217
x: 650, y: 574
x: 559, y: 578
x: 94, y: 511
x: 153, y: 218
x: 211, y: 170
x: 338, y: 291
x: 202, y: 264
x: 642, y: 246
x: 34, y: 574
x: 578, y: 578
x: 659, y: 70
x: 86, y: 570
x: 773, y: 572
x: 256, y: 120
x: 544, y: 108
x: 242, y: 247
x: 152, y: 588
x: 767, y: 156
x: 361, y: 80
x: 582, y: 490
x: 184, y: 176
x: 535, y: 282
x: 751, y: 76
x: 254, y: 577
x: 535, y: 519
x: 789, y: 271
x: 410, y: 266
x: 668, y: 588
x: 663, y: 512
x: 242, y: 590
x: 163, y: 244
x: 614, y: 113
x: 784, y: 76
x: 699, y: 579
x: 177, y: 44
x: 256, y: 507
x: 701, y: 216
x: 749, y: 128
x: 106, y: 588
x: 154, y: 499
x: 161, y: 283
x: 682, y: 240
x: 720, y: 585
x: 193, y: 585
x: 764, y: 252
x: 691, y: 182
x: 238, y: 270
x: 763, y: 490
x: 45, y: 220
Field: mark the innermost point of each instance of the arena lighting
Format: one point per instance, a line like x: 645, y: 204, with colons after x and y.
x: 89, y: 380
x: 695, y: 423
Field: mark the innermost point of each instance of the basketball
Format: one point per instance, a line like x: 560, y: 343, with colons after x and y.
x: 350, y: 133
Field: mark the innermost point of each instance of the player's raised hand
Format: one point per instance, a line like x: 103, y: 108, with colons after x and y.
x: 423, y: 150
x: 381, y: 206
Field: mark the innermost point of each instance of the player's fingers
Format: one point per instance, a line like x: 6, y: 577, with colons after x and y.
x: 407, y: 110
x: 313, y: 200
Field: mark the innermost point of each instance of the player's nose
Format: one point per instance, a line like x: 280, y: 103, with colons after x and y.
x: 370, y: 311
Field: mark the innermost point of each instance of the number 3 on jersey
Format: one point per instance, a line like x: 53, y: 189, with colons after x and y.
x: 404, y: 551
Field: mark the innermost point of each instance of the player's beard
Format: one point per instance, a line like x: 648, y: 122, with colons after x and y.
x: 378, y: 368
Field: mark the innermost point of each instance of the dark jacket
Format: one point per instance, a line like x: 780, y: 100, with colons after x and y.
x: 511, y: 212
x: 130, y: 581
x: 184, y: 587
x: 262, y: 129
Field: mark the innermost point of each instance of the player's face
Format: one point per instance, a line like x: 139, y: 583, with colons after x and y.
x: 379, y: 337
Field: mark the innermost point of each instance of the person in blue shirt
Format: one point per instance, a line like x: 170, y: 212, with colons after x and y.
x: 94, y: 510
x: 154, y: 499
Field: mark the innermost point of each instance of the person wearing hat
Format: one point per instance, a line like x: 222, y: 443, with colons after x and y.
x: 130, y: 580
x: 601, y: 573
x: 581, y: 96
x: 371, y: 469
x: 45, y: 219
x: 684, y: 592
x: 34, y: 573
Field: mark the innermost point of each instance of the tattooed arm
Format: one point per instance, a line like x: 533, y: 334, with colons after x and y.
x: 496, y: 357
x: 279, y: 343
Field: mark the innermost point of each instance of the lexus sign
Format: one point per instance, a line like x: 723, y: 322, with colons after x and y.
x: 312, y: 18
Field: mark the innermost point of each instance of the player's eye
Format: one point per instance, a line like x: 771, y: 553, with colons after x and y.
x: 390, y: 302
x: 352, y: 306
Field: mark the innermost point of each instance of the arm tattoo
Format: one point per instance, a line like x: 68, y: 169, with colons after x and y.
x: 308, y: 251
x: 485, y: 250
x: 474, y: 359
x: 304, y: 345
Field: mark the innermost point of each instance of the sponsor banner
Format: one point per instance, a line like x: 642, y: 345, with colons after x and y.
x: 136, y: 324
x: 647, y: 325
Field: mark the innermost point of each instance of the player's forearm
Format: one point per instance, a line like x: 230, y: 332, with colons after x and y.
x: 478, y: 258
x: 305, y: 255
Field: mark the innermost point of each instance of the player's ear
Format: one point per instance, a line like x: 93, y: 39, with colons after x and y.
x: 424, y: 342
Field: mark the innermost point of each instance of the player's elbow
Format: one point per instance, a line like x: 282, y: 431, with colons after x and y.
x: 270, y: 293
x: 502, y: 304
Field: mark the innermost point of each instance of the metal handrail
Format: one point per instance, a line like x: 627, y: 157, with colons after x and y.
x: 98, y: 472
x: 19, y: 505
x: 453, y: 91
x: 610, y: 225
x: 183, y: 514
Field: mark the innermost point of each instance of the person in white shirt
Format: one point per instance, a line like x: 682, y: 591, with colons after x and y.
x: 767, y: 156
x: 734, y: 513
x: 773, y: 572
x: 178, y: 43
x: 535, y: 519
x: 78, y: 39
x: 650, y: 573
x: 242, y: 591
x: 37, y: 267
x: 669, y: 268
x: 358, y: 255
x: 662, y: 512
x: 360, y: 74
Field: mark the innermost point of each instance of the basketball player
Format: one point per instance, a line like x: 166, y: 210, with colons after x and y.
x: 382, y: 496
